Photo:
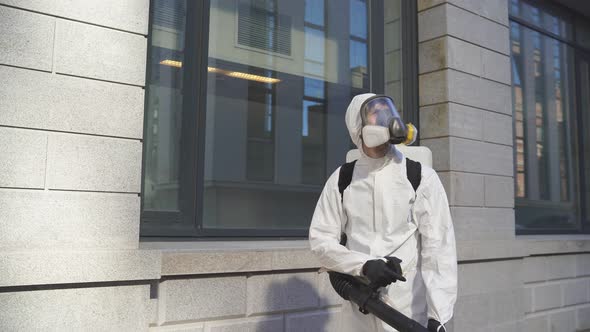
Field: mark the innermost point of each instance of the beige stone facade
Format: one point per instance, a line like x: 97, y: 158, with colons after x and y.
x: 72, y: 79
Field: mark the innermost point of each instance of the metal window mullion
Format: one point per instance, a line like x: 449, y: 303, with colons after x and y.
x: 551, y: 137
x: 581, y: 126
x: 529, y: 116
x: 409, y: 52
x: 274, y: 133
x: 145, y: 136
x: 199, y: 52
x: 308, y: 24
x: 359, y: 39
x: 568, y: 100
x: 376, y: 48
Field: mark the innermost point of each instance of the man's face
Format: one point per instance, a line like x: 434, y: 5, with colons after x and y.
x: 379, y: 114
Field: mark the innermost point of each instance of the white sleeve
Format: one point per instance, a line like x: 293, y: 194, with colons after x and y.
x: 438, y: 252
x: 326, y: 227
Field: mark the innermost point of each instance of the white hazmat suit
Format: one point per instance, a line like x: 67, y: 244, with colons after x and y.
x: 382, y: 215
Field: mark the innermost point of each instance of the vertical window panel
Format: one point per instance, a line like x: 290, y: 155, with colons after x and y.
x: 584, y: 99
x: 164, y: 106
x: 545, y: 146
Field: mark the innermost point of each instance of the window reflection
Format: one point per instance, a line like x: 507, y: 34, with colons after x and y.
x: 164, y: 106
x: 551, y: 19
x: 269, y: 173
x: 518, y: 105
x: 358, y: 44
x: 312, y: 132
x: 542, y: 81
x: 279, y: 77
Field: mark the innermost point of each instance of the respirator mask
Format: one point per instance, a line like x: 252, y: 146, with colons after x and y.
x: 382, y: 123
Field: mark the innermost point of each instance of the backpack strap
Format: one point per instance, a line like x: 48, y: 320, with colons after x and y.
x: 345, y: 177
x: 414, y: 172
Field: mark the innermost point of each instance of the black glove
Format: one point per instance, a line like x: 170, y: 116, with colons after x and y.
x: 393, y: 263
x: 381, y: 274
x: 435, y: 326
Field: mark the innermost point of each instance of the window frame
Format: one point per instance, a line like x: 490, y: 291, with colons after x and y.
x: 187, y: 222
x: 583, y: 178
x: 575, y: 123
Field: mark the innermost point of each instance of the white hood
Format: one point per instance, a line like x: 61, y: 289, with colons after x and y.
x: 354, y: 122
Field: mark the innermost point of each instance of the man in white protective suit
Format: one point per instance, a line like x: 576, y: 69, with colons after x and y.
x: 384, y: 218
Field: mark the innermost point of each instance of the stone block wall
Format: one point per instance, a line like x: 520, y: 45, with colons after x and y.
x: 262, y: 302
x: 72, y: 77
x: 466, y: 120
x: 557, y: 292
x: 71, y: 122
x: 490, y: 297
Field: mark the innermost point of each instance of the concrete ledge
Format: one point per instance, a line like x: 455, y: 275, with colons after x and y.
x: 484, y: 250
x: 193, y: 258
x: 68, y: 267
x: 187, y: 258
x: 555, y: 244
x: 185, y: 263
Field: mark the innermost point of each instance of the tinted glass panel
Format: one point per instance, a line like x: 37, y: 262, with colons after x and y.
x: 551, y: 19
x: 545, y: 139
x: 276, y: 100
x: 164, y: 106
x: 278, y: 78
x: 584, y: 81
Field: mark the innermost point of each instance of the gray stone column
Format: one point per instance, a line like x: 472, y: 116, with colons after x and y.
x: 466, y: 120
x: 71, y: 127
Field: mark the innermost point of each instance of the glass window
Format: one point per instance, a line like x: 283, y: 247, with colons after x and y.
x: 269, y: 127
x: 164, y: 106
x: 549, y: 18
x: 293, y: 107
x: 545, y: 137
